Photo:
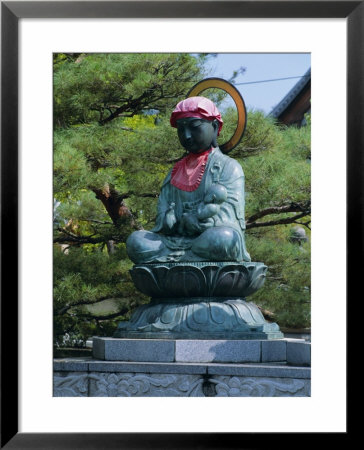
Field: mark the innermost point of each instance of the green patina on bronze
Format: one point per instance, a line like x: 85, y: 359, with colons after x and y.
x: 219, y: 239
x: 194, y: 263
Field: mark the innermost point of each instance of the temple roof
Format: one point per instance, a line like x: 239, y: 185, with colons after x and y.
x: 292, y: 95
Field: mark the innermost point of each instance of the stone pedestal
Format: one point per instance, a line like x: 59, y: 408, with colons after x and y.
x: 285, y: 351
x: 95, y: 378
x: 198, y: 318
x: 187, y: 368
x: 198, y: 337
x: 199, y: 300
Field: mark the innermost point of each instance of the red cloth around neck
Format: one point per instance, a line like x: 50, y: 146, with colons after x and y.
x: 188, y: 172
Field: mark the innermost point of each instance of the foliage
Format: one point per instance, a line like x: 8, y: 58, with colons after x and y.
x: 113, y: 146
x: 278, y: 193
x: 286, y: 292
x: 86, y: 280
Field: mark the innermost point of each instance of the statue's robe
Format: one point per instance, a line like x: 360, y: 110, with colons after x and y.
x: 160, y: 245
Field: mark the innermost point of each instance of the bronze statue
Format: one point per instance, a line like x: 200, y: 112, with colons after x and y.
x: 185, y: 230
x: 194, y: 264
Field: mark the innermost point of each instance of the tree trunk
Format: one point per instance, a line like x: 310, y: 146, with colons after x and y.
x: 110, y: 247
x: 115, y: 206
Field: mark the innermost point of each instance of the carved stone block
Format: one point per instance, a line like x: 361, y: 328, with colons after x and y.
x: 120, y: 379
x: 70, y: 384
x: 145, y: 385
x: 226, y: 386
x: 111, y: 384
x: 299, y: 353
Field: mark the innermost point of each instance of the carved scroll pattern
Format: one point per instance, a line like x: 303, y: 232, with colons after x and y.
x: 168, y: 385
x: 143, y: 385
x: 226, y: 386
x: 71, y: 385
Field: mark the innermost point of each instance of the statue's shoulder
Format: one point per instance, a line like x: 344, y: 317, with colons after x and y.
x: 167, y: 178
x: 230, y: 167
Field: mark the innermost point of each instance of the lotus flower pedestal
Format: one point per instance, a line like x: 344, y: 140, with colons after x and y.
x: 199, y: 300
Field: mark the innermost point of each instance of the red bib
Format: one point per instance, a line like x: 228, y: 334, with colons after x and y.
x: 188, y: 172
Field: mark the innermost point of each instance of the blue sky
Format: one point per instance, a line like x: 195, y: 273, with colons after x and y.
x: 261, y: 66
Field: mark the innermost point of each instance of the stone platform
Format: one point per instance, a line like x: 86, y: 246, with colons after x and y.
x: 291, y: 351
x: 92, y: 378
x: 187, y: 368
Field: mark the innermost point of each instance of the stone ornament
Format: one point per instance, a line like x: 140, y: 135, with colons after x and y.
x: 260, y: 387
x: 70, y: 385
x: 108, y: 384
x: 144, y: 385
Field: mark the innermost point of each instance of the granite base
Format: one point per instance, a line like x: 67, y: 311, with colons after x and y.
x: 290, y: 351
x: 187, y: 368
x: 92, y: 378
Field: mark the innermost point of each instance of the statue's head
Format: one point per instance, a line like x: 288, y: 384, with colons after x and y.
x: 198, y: 123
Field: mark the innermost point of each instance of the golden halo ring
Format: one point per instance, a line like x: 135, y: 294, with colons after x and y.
x: 220, y: 83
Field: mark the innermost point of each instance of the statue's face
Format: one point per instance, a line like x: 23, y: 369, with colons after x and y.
x: 196, y: 135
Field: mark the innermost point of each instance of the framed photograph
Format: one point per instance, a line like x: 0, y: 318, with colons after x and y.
x: 31, y: 33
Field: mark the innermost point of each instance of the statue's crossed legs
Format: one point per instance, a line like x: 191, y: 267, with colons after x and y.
x: 214, y: 244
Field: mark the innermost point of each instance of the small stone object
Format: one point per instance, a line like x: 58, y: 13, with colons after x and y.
x: 298, y: 235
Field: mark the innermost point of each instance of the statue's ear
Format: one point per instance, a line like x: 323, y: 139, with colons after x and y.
x: 215, y: 124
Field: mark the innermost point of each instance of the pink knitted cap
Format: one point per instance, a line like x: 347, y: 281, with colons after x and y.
x: 200, y: 107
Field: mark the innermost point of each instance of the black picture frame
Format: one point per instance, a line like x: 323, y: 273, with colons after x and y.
x: 11, y: 12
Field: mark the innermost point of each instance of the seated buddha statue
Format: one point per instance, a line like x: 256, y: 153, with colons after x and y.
x: 184, y: 231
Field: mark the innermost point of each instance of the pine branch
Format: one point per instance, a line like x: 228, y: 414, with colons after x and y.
x: 305, y: 224
x: 163, y: 161
x: 138, y: 194
x: 78, y: 240
x: 106, y: 317
x: 291, y: 207
x: 133, y: 106
x: 71, y: 238
x: 100, y: 222
x: 246, y: 152
x: 271, y: 223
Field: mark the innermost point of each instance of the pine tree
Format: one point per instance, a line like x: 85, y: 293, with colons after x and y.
x: 113, y: 146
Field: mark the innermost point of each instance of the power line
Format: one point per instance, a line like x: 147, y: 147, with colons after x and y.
x: 274, y: 79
